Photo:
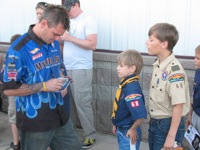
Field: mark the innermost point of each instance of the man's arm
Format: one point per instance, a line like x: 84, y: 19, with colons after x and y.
x: 89, y: 43
x: 51, y: 85
x: 24, y: 90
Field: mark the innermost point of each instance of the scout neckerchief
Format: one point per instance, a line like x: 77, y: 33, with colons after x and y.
x: 118, y: 93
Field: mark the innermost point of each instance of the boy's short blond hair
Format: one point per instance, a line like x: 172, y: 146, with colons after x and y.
x: 197, y: 49
x: 131, y: 58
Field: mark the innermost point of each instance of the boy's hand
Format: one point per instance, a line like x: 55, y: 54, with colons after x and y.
x: 132, y: 134
x: 188, y: 121
x: 169, y: 143
x: 114, y: 129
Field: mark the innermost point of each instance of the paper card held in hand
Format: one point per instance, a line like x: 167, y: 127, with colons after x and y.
x: 132, y: 146
x: 66, y: 82
x: 193, y: 137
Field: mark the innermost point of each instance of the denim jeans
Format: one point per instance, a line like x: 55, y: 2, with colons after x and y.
x: 158, y: 130
x: 123, y: 141
x: 63, y: 138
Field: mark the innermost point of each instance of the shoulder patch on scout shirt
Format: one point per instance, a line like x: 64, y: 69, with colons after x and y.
x: 175, y: 68
x: 135, y: 104
x: 132, y: 97
x: 176, y: 77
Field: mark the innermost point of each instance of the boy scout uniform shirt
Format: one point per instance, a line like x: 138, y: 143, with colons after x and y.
x: 196, y: 95
x: 131, y: 105
x: 169, y: 86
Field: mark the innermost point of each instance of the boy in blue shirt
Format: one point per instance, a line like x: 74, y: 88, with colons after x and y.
x: 194, y: 115
x: 129, y: 105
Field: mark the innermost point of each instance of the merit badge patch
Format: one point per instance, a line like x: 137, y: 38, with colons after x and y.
x: 133, y: 97
x: 135, y: 104
x: 176, y: 77
x: 164, y: 75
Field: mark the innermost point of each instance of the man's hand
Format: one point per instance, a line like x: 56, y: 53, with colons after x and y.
x: 66, y: 37
x: 53, y: 85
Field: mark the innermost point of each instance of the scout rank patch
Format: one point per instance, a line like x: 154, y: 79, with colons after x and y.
x: 164, y: 75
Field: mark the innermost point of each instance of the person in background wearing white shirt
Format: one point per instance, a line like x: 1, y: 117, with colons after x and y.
x: 79, y: 43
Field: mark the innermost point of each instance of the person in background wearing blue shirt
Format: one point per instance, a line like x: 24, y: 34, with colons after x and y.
x: 194, y: 114
x: 129, y: 105
x: 1, y: 66
x: 12, y: 112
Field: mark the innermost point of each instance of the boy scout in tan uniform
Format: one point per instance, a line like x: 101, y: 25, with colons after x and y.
x: 169, y: 98
x: 168, y: 87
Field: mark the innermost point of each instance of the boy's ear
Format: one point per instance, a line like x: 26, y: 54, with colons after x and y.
x: 165, y: 45
x: 133, y: 69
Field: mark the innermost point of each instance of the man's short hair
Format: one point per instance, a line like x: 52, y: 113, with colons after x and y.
x: 56, y: 14
x: 69, y: 3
